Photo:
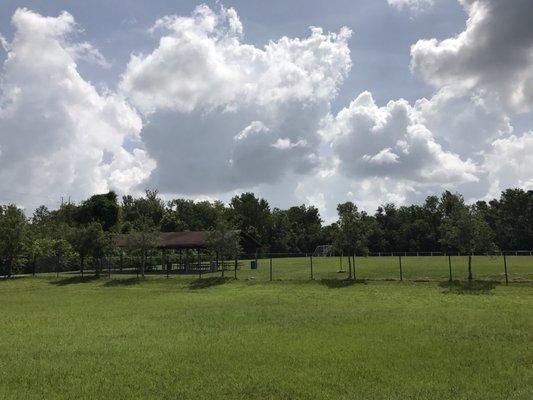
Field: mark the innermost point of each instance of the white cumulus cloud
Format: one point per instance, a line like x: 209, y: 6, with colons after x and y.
x: 58, y: 134
x: 391, y: 141
x: 222, y: 114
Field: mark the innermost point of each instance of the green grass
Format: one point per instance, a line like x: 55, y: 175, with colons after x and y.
x: 184, y: 338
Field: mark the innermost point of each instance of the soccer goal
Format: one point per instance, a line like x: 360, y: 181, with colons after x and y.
x: 324, y: 250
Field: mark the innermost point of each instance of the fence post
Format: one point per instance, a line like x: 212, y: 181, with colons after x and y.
x: 505, y: 266
x: 108, y: 268
x: 311, y: 259
x: 401, y: 272
x: 236, y: 262
x: 450, y: 267
x: 271, y: 267
x: 354, y: 275
x: 199, y: 265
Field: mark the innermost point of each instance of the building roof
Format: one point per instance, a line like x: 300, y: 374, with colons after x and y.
x: 186, y: 240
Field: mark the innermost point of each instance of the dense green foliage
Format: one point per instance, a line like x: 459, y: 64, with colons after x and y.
x: 221, y: 339
x: 444, y: 223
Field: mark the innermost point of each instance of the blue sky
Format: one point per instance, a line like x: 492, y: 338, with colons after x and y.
x: 315, y: 119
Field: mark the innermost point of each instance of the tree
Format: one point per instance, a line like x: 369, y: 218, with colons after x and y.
x: 172, y: 223
x: 61, y: 248
x: 102, y: 208
x: 280, y: 234
x: 150, y: 207
x: 352, y: 235
x: 305, y: 225
x: 224, y: 242
x: 251, y: 215
x: 143, y: 238
x: 92, y: 241
x: 512, y: 219
x: 13, y: 226
x: 463, y: 229
x: 41, y: 247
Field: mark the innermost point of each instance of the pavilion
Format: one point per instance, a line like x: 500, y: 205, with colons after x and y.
x: 190, y: 241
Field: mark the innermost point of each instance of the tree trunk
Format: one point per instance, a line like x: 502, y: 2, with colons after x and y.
x: 82, y: 264
x: 470, y: 268
x: 349, y: 267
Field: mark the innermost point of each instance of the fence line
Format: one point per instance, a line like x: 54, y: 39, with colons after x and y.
x: 505, y: 266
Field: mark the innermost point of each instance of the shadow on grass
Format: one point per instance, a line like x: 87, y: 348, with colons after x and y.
x: 122, y: 282
x: 204, y: 283
x: 466, y: 287
x: 74, y: 280
x: 340, y: 283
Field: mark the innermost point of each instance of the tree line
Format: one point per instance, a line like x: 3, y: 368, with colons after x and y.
x: 441, y: 223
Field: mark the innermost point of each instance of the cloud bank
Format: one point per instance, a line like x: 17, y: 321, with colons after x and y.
x: 204, y: 113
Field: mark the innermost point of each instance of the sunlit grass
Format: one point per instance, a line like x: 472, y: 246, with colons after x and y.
x: 127, y: 338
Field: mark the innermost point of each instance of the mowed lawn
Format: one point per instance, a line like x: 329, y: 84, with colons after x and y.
x: 124, y: 338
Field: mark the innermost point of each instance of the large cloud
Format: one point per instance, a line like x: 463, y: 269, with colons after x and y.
x: 391, y: 141
x: 58, y: 134
x: 494, y: 53
x: 221, y: 114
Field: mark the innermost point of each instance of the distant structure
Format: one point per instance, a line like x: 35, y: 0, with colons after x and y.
x: 323, y: 250
x: 189, y: 246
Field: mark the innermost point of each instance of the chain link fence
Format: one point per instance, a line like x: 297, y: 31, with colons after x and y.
x: 508, y: 266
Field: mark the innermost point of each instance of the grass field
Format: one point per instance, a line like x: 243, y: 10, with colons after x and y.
x: 125, y: 338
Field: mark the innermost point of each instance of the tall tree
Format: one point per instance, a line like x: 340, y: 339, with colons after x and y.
x: 224, y: 242
x: 352, y: 235
x: 143, y: 239
x: 513, y: 219
x: 13, y: 227
x: 463, y: 229
x: 251, y: 215
x: 92, y: 241
x: 150, y: 207
x: 102, y: 208
x: 305, y: 224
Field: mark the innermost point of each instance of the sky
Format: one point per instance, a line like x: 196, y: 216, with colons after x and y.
x: 301, y: 102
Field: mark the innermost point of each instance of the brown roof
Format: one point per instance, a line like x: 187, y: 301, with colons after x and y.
x: 184, y: 240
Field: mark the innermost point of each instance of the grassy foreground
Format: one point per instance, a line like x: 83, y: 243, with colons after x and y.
x: 220, y: 339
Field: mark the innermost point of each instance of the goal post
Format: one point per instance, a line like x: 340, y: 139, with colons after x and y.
x: 323, y: 250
